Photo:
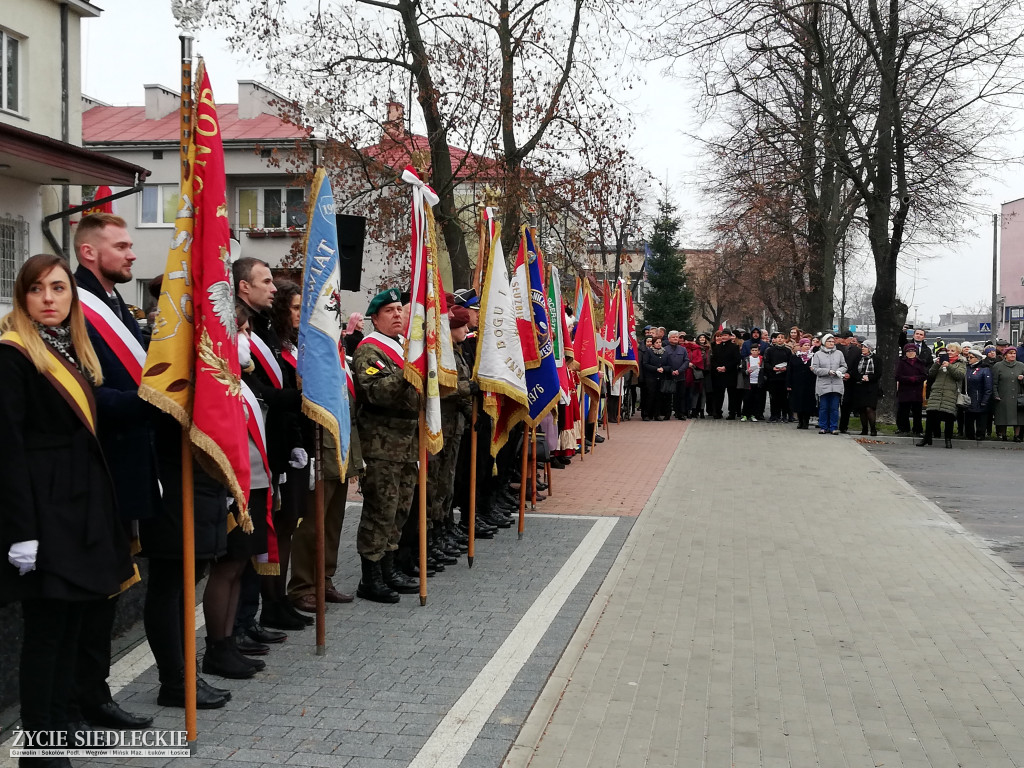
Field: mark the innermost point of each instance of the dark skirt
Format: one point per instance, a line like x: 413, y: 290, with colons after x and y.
x: 242, y: 545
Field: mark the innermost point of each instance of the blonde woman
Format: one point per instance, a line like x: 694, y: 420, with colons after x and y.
x: 59, y: 530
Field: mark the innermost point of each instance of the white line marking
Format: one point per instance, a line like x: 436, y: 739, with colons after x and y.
x: 455, y: 734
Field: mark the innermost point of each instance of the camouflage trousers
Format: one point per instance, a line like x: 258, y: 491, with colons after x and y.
x: 441, y: 478
x: 387, y: 494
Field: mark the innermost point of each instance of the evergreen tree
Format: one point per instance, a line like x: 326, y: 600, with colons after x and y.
x: 669, y: 299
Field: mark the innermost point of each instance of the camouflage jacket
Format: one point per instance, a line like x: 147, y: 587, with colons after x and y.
x: 457, y: 406
x: 387, y: 406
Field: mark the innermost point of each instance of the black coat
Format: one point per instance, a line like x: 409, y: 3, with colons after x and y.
x: 284, y: 406
x: 727, y: 355
x: 800, y: 380
x: 864, y: 394
x: 54, y: 488
x: 776, y: 354
x: 125, y: 422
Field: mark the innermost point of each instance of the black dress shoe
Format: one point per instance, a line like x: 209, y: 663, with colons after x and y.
x: 277, y: 616
x: 110, y: 715
x: 261, y: 634
x: 212, y: 690
x: 173, y: 695
x: 250, y: 647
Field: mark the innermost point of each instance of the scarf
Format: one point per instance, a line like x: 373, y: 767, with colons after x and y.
x: 866, y: 366
x: 58, y: 337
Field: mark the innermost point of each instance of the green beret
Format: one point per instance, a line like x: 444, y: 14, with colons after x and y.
x: 390, y: 296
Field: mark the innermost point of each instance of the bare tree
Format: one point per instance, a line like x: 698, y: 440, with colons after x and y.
x: 908, y: 95
x: 510, y: 79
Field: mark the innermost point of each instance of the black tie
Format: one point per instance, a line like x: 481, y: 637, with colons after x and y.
x: 116, y: 306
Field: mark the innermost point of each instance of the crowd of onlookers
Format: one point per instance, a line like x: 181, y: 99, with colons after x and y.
x: 941, y: 390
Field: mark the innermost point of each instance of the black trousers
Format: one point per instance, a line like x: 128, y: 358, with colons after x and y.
x: 975, y: 425
x: 164, y: 615
x: 904, y: 411
x: 780, y: 399
x: 716, y: 401
x: 92, y: 667
x: 48, y: 658
x: 845, y: 409
x: 736, y: 398
x: 754, y: 402
x: 938, y: 421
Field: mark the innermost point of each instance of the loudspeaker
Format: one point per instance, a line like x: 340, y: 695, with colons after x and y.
x: 351, y: 234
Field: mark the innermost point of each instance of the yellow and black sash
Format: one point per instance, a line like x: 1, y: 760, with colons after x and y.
x: 65, y: 378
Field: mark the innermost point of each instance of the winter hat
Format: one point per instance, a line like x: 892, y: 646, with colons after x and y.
x: 805, y: 340
x: 459, y: 317
x: 867, y: 344
x: 975, y: 353
x: 990, y: 348
x: 826, y: 337
x: 909, y: 348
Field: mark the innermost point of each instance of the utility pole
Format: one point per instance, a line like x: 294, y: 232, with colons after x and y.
x: 995, y: 277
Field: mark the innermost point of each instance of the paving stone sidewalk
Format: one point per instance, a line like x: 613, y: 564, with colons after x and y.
x: 785, y: 600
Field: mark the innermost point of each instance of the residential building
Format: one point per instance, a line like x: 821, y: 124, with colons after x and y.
x: 1011, y: 272
x: 42, y: 163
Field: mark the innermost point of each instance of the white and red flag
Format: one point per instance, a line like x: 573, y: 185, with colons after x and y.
x: 429, y: 355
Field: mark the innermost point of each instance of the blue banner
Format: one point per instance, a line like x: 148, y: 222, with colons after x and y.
x: 320, y: 364
x: 541, y: 381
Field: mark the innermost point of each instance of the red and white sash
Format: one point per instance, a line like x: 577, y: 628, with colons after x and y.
x: 115, y: 333
x: 288, y: 355
x: 262, y: 354
x: 389, y: 346
x: 257, y: 433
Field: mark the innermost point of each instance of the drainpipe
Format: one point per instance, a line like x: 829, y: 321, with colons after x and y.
x: 65, y: 125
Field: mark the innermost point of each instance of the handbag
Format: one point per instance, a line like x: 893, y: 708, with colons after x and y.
x: 963, y: 400
x: 698, y: 374
x: 1020, y: 398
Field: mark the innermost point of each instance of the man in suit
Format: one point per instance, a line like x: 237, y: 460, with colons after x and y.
x: 104, y: 250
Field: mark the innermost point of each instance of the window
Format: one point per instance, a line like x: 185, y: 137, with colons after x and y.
x: 159, y: 204
x: 13, y: 252
x: 271, y: 208
x: 10, y: 72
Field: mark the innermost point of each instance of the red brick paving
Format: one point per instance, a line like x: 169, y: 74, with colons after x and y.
x: 620, y: 475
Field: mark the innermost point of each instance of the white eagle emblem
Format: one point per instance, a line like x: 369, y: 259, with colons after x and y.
x: 222, y: 299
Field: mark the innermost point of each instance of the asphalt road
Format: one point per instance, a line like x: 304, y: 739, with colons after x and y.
x: 979, y: 488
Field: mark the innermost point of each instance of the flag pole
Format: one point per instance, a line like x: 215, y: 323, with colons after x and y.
x: 188, y: 548
x: 472, y: 484
x: 423, y: 503
x: 318, y: 538
x: 533, y: 470
x: 522, y: 481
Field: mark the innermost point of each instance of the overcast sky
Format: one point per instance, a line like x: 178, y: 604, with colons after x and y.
x: 135, y: 43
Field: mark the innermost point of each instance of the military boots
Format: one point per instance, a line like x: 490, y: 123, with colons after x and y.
x: 372, y: 586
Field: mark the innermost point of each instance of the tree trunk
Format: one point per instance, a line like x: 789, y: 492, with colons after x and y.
x: 441, y: 176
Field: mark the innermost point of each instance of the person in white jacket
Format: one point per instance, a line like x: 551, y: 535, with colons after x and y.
x: 829, y: 365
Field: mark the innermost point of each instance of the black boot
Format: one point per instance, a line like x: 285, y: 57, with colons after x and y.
x: 207, y: 697
x: 949, y: 443
x: 258, y: 664
x: 223, y: 659
x: 372, y: 586
x: 394, y: 578
x: 926, y: 440
x: 277, y: 615
x: 434, y: 548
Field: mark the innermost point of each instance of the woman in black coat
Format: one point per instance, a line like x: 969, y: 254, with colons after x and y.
x: 800, y: 381
x: 864, y: 389
x: 653, y: 365
x: 59, y: 528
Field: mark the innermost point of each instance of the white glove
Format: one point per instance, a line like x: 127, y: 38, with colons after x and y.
x: 298, y: 459
x: 244, y: 351
x: 23, y: 555
x: 312, y: 474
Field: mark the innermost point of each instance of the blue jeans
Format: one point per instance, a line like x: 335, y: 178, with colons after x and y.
x: 828, y: 411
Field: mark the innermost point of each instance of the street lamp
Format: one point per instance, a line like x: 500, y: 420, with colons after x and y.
x: 318, y: 138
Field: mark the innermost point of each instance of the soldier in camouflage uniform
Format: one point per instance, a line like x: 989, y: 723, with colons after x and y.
x: 387, y: 413
x: 455, y: 411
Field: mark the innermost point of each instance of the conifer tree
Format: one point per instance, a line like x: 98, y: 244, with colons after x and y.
x: 669, y: 299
